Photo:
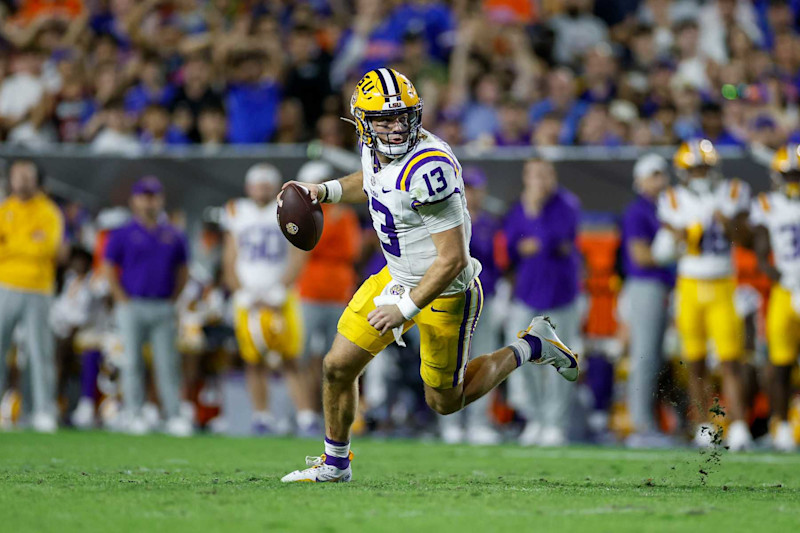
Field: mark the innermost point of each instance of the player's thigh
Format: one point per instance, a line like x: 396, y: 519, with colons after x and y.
x: 783, y: 328
x: 345, y: 361
x: 690, y: 319
x: 353, y: 324
x: 283, y: 328
x: 446, y: 328
x: 724, y: 324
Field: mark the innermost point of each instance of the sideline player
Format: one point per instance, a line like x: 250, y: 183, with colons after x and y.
x: 704, y: 214
x: 260, y: 269
x: 776, y: 220
x: 415, y: 192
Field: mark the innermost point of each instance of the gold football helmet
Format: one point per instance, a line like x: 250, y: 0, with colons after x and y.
x: 695, y: 154
x: 785, y: 170
x: 384, y: 92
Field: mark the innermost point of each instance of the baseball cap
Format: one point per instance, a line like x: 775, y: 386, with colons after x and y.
x: 147, y: 185
x: 315, y: 172
x: 262, y: 173
x: 647, y: 165
x: 474, y: 177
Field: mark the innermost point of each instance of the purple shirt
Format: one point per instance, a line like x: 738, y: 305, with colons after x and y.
x: 148, y: 258
x: 481, y: 247
x: 549, y: 278
x: 640, y: 221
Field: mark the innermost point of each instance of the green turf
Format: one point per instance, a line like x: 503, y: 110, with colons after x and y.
x: 97, y: 481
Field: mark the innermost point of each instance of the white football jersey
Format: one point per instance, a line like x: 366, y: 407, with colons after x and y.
x: 410, y: 198
x: 680, y: 207
x: 262, y: 251
x: 781, y: 216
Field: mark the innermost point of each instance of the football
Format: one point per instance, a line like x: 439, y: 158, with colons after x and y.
x: 300, y: 218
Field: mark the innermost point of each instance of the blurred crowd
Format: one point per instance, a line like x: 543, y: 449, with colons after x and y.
x: 129, y: 76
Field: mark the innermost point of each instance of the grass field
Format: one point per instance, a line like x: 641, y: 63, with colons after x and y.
x: 97, y: 481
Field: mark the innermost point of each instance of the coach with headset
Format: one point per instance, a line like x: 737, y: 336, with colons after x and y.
x: 31, y: 233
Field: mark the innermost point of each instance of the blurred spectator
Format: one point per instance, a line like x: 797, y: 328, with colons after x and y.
x: 115, y: 136
x: 145, y: 266
x: 545, y: 259
x: 308, y: 77
x: 720, y: 17
x: 328, y: 280
x: 252, y: 100
x: 561, y: 98
x: 212, y: 126
x: 644, y: 302
x: 22, y: 90
x: 151, y: 89
x: 712, y: 128
x: 513, y: 125
x: 156, y: 129
x: 576, y: 30
x: 196, y: 93
x: 31, y: 232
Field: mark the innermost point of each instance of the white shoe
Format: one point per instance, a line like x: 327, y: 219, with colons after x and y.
x: 704, y: 436
x: 452, y: 433
x: 319, y: 472
x: 783, y: 441
x: 552, y: 436
x: 83, y: 415
x: 137, y: 425
x: 151, y: 415
x: 483, y: 435
x: 531, y: 435
x: 177, y: 426
x: 739, y: 437
x: 44, y: 423
x: 554, y: 352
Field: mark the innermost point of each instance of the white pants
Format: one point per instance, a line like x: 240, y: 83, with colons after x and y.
x: 540, y: 393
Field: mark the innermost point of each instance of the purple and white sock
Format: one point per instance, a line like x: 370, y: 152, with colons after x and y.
x: 337, y: 453
x: 528, y: 348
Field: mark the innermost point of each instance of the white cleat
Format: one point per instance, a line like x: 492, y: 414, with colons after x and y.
x: 552, y: 437
x: 531, y: 435
x: 483, y: 435
x: 554, y: 352
x: 739, y: 437
x: 178, y: 426
x: 136, y: 425
x: 83, y: 415
x: 783, y: 441
x: 451, y: 432
x: 319, y: 472
x: 704, y: 436
x: 44, y: 423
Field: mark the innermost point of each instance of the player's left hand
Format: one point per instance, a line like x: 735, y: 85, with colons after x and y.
x: 385, y: 318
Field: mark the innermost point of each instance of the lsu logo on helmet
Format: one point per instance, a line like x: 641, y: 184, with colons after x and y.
x: 385, y: 92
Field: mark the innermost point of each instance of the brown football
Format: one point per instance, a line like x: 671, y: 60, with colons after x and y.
x: 299, y: 217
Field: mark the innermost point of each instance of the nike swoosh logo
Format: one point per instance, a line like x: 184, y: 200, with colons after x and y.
x: 438, y: 310
x: 566, y: 351
x: 385, y: 191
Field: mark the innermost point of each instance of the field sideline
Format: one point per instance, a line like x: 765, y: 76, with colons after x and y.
x: 98, y: 481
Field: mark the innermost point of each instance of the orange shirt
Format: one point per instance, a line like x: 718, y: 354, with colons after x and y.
x: 329, y: 275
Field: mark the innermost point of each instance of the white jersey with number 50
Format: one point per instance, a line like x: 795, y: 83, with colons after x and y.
x: 262, y: 252
x: 781, y: 216
x: 413, y: 197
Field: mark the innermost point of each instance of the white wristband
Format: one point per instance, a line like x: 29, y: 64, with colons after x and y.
x: 407, y: 307
x: 333, y: 192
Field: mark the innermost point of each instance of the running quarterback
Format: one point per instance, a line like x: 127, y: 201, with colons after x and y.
x: 413, y: 185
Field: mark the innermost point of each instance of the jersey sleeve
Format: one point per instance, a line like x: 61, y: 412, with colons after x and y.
x: 668, y: 212
x: 735, y: 198
x: 759, y: 209
x: 228, y: 215
x: 431, y: 176
x: 443, y: 215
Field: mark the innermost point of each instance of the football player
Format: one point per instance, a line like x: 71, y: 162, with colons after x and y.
x: 775, y: 217
x: 703, y: 215
x: 260, y: 269
x: 413, y: 186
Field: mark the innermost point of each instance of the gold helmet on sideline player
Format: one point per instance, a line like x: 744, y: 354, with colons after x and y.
x: 696, y: 164
x: 785, y: 170
x: 384, y: 92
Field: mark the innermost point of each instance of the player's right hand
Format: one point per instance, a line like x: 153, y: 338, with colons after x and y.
x: 314, y: 190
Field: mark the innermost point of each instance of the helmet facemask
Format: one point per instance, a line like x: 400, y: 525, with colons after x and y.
x: 700, y: 179
x: 380, y: 133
